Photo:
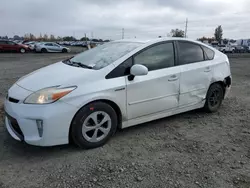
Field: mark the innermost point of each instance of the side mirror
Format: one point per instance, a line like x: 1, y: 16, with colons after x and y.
x: 137, y: 70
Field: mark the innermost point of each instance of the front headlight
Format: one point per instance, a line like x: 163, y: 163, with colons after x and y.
x: 48, y: 95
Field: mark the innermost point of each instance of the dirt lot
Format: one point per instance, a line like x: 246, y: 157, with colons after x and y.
x: 193, y: 149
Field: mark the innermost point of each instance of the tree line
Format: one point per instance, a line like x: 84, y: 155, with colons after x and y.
x: 46, y: 37
x: 218, y: 35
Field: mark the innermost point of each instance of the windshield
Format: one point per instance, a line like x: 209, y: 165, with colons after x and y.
x: 103, y: 55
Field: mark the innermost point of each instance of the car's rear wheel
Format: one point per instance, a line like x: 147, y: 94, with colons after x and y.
x: 22, y: 50
x: 214, y: 98
x: 93, y: 125
x: 64, y: 50
x: 43, y: 50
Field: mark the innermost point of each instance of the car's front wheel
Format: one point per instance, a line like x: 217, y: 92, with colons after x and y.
x: 22, y: 50
x: 43, y: 50
x: 64, y: 50
x: 93, y: 125
x: 214, y: 97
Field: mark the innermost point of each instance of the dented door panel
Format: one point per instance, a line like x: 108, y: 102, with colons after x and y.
x: 194, y: 82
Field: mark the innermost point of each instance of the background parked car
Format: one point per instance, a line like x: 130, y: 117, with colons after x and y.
x: 31, y: 44
x: 6, y: 45
x: 226, y: 49
x: 239, y: 49
x: 50, y: 47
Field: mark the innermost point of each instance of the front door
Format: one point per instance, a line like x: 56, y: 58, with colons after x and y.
x: 159, y: 90
x: 196, y: 75
x: 49, y: 47
x: 57, y: 48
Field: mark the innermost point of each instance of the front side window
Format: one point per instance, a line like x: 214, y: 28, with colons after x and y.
x: 157, y: 57
x: 189, y: 53
x: 103, y: 55
x: 55, y: 45
x: 48, y: 44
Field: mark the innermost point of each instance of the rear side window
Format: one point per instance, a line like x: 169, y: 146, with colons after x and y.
x: 189, y: 53
x: 157, y: 57
x: 209, y: 54
x: 10, y: 43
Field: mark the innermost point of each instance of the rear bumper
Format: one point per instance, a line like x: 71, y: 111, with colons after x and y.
x: 227, y: 91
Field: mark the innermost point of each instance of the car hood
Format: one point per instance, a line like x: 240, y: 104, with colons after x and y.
x: 23, y: 45
x: 58, y: 74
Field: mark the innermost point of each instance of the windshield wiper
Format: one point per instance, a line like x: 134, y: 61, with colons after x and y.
x: 77, y: 64
x: 81, y: 65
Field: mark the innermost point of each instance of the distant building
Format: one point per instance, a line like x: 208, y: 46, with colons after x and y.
x: 243, y: 42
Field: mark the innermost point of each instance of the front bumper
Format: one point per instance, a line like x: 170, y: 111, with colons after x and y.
x: 56, y: 118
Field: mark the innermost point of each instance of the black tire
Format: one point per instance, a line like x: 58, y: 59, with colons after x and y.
x: 22, y: 50
x: 214, y: 98
x: 43, y: 50
x: 77, y: 124
x: 64, y: 50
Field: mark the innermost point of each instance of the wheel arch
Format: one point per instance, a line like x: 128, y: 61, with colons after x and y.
x: 225, y: 83
x: 107, y: 101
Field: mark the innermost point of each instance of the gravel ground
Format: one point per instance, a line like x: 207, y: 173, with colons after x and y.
x: 193, y: 149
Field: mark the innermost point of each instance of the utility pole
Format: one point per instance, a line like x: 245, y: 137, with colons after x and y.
x: 86, y: 41
x: 186, y: 28
x: 122, y: 33
x: 85, y: 37
x: 92, y: 35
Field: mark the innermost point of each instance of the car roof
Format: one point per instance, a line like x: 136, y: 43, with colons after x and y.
x: 155, y: 40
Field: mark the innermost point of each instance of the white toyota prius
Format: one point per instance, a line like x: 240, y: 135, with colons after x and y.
x: 86, y: 98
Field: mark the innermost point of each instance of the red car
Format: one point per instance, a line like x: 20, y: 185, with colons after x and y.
x: 6, y: 45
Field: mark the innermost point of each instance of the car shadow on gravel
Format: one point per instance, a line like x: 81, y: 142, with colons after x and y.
x: 17, y: 149
x: 21, y: 149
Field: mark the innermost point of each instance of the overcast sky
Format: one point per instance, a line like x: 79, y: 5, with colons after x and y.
x: 139, y: 18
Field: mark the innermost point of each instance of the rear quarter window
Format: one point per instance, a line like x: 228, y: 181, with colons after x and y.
x: 209, y: 54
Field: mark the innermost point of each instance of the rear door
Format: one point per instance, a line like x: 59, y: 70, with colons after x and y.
x: 196, y: 73
x: 159, y: 90
x: 3, y: 45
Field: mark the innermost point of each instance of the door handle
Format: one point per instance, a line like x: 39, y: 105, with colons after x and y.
x: 173, y: 78
x: 208, y: 69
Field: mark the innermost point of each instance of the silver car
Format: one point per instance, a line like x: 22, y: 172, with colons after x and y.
x: 50, y: 47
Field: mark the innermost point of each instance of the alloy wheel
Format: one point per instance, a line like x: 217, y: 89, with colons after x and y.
x: 215, y: 98
x: 96, y: 126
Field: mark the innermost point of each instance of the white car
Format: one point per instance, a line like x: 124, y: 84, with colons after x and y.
x: 31, y: 44
x: 226, y: 49
x: 115, y: 85
x: 50, y: 47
